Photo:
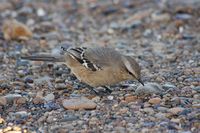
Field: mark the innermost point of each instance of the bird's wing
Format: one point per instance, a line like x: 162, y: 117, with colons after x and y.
x: 94, y: 58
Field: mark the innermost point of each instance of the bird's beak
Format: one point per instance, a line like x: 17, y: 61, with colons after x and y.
x: 141, y: 81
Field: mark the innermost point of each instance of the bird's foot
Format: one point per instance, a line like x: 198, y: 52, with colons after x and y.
x: 93, y: 90
x: 100, y: 92
x: 108, y: 90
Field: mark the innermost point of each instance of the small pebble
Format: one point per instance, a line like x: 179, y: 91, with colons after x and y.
x: 162, y: 109
x: 11, y: 97
x: 8, y: 128
x: 175, y: 110
x: 19, y: 115
x: 131, y: 98
x: 78, y: 103
x: 183, y: 16
x: 93, y: 121
x: 28, y: 80
x: 156, y: 100
x: 21, y: 100
x: 51, y: 119
x: 16, y: 128
x: 60, y: 86
x: 161, y: 17
x: 160, y: 115
x: 14, y: 30
x: 3, y: 101
x: 168, y: 86
x: 41, y: 12
x: 70, y: 118
x: 2, y: 120
x: 196, y: 106
x: 149, y: 110
x: 197, y: 88
x: 49, y: 97
x: 38, y: 100
x: 110, y: 97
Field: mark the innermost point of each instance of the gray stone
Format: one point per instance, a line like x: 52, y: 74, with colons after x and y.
x: 168, y: 86
x: 19, y: 115
x: 60, y: 86
x: 149, y: 88
x: 160, y: 115
x: 162, y: 109
x: 11, y: 97
x: 49, y: 97
x: 197, y: 88
x: 44, y: 80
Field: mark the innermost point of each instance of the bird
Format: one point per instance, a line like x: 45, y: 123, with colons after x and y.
x: 96, y: 66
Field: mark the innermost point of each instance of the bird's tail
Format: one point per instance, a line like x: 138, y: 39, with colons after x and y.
x: 43, y: 58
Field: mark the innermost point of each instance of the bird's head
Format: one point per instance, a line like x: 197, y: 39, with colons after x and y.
x: 132, y: 68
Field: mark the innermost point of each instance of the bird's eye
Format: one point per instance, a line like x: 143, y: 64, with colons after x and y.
x: 130, y: 73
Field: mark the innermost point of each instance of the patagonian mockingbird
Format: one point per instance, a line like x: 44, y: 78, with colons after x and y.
x: 96, y: 66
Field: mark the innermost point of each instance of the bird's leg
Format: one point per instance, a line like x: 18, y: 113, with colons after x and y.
x: 92, y: 89
x: 108, y: 89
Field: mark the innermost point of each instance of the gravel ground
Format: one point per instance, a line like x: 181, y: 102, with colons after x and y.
x: 162, y: 35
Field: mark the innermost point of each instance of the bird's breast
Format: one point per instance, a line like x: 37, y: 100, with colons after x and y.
x: 97, y: 78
